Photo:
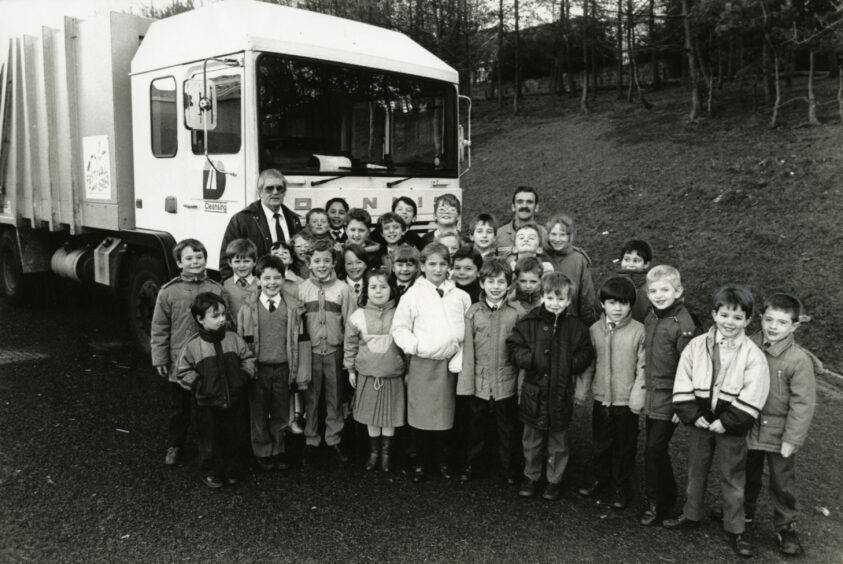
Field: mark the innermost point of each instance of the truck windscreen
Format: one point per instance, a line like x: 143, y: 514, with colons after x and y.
x: 321, y: 118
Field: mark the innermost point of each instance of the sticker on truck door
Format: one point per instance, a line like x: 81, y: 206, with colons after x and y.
x: 213, y: 181
x: 97, y: 160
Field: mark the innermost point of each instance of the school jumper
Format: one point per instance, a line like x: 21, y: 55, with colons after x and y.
x: 786, y: 417
x: 216, y: 367
x: 726, y: 380
x: 616, y: 378
x: 172, y: 325
x: 273, y: 336
x: 327, y: 305
x: 490, y: 380
x: 667, y: 333
x: 371, y: 352
x: 552, y: 350
x: 238, y: 293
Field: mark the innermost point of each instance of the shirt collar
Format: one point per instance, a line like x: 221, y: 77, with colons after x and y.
x: 265, y: 299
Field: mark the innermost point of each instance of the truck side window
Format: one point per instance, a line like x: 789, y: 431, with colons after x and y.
x: 163, y: 117
x: 225, y: 138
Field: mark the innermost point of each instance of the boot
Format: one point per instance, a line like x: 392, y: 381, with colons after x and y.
x: 386, y: 444
x: 374, y: 452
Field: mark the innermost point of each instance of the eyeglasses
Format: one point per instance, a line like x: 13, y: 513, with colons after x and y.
x: 280, y: 188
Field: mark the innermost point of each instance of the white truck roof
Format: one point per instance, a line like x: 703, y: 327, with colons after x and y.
x: 232, y: 26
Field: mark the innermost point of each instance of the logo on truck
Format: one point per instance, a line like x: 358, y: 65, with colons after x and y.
x: 213, y: 181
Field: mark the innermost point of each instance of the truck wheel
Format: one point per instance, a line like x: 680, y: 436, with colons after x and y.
x: 12, y: 280
x: 145, y: 276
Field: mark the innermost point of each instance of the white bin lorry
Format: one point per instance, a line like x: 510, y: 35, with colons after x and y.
x: 122, y: 135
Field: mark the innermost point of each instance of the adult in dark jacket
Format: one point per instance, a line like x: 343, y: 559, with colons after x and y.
x: 257, y: 222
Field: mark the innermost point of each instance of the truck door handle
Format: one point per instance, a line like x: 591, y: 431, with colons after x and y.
x: 191, y: 206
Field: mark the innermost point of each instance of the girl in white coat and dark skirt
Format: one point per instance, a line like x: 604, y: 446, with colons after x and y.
x: 429, y: 326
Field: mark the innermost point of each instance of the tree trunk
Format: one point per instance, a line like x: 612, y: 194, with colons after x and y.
x: 765, y: 73
x: 707, y: 76
x: 812, y: 100
x: 630, y: 51
x: 778, y: 89
x: 585, y: 31
x: 517, y: 94
x: 569, y: 57
x: 840, y: 90
x: 692, y: 67
x: 654, y: 51
x: 500, y: 53
x: 619, y: 49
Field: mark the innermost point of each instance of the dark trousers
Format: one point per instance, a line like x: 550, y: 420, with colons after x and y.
x: 782, y: 485
x: 429, y: 447
x: 218, y: 430
x: 732, y: 470
x: 660, y: 484
x: 181, y: 407
x: 269, y: 405
x: 614, y: 430
x: 496, y: 418
x: 460, y: 435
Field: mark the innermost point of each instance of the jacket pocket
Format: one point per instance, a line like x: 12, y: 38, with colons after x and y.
x: 771, y: 429
x: 530, y: 406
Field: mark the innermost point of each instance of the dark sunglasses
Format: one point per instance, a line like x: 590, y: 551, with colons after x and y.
x: 275, y: 188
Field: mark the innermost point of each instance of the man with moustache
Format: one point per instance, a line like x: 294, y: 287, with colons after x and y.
x: 263, y: 222
x: 525, y: 204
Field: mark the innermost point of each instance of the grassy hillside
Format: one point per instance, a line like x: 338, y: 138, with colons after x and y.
x: 724, y: 200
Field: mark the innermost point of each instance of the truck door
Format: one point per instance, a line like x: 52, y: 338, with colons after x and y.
x: 216, y: 189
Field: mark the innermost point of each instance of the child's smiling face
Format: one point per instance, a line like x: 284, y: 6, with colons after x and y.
x: 192, y: 261
x: 777, y: 325
x: 357, y: 232
x: 556, y: 302
x: 354, y: 267
x: 662, y: 294
x: 301, y: 247
x: 558, y: 237
x: 284, y: 254
x: 730, y: 321
x: 392, y: 232
x: 495, y: 287
x: 446, y: 215
x: 270, y: 282
x: 322, y: 264
x: 406, y: 212
x: 337, y: 215
x: 483, y: 236
x: 464, y: 271
x: 405, y: 271
x: 241, y: 266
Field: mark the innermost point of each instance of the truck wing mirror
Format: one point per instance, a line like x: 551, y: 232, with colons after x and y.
x: 200, y: 107
x: 464, y: 137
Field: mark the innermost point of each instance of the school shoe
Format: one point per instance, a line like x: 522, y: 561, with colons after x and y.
x: 620, y: 500
x: 592, y: 488
x: 212, y: 482
x: 445, y: 470
x: 740, y: 546
x: 466, y: 473
x: 374, y: 453
x: 265, y: 463
x: 280, y: 462
x: 680, y: 522
x: 528, y: 488
x: 789, y: 544
x: 230, y: 479
x: 172, y: 456
x: 386, y: 447
x: 297, y: 425
x: 650, y: 515
x: 552, y: 492
x: 716, y: 514
x: 418, y: 474
x: 339, y: 455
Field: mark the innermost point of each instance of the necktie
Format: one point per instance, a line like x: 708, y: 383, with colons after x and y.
x: 337, y: 234
x: 612, y: 325
x: 357, y: 287
x: 271, y: 306
x: 279, y: 233
x: 241, y: 282
x: 441, y: 292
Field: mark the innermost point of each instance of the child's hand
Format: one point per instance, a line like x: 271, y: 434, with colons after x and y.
x: 675, y: 419
x: 717, y: 427
x: 700, y: 423
x: 163, y: 370
x: 579, y: 397
x: 352, y: 379
x: 787, y: 449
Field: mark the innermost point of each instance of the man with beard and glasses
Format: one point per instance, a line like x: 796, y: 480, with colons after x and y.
x: 525, y: 204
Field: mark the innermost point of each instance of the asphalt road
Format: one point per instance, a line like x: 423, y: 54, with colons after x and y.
x: 82, y: 436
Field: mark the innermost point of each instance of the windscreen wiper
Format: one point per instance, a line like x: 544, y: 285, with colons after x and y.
x: 324, y: 180
x: 397, y: 182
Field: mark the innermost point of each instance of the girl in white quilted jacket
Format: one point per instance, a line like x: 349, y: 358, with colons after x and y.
x: 429, y: 326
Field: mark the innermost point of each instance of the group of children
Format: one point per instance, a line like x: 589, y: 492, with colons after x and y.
x: 492, y: 336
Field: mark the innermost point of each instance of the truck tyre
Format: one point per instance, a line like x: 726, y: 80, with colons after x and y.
x: 144, y: 277
x: 12, y: 279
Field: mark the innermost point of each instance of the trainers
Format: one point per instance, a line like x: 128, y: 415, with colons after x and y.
x: 741, y: 547
x: 650, y: 515
x: 552, y: 492
x: 466, y: 473
x: 212, y: 482
x: 418, y: 474
x: 445, y: 470
x: 172, y: 456
x: 789, y: 541
x: 680, y: 522
x: 528, y: 488
x: 591, y: 489
x: 620, y: 500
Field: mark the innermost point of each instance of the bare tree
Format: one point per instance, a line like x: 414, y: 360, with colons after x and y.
x: 585, y: 32
x: 692, y: 67
x: 517, y: 82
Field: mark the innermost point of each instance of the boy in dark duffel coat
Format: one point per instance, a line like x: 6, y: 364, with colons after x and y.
x: 551, y: 347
